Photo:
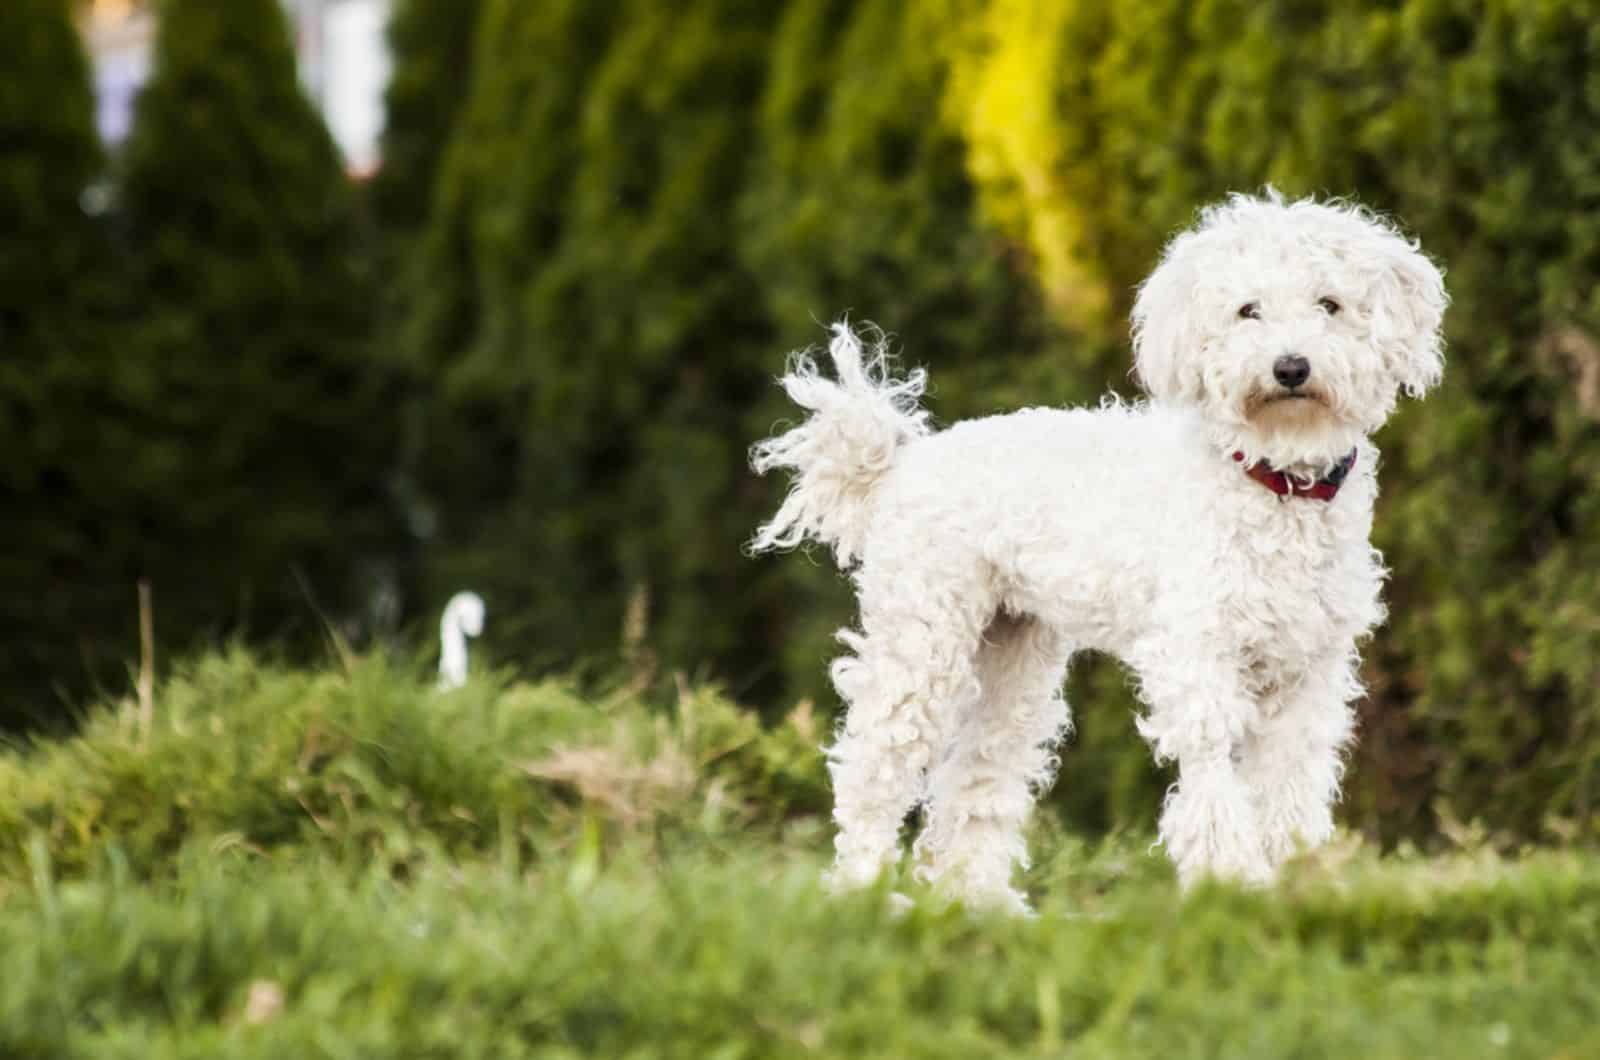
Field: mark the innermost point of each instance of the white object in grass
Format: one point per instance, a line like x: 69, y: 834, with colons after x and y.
x: 463, y: 618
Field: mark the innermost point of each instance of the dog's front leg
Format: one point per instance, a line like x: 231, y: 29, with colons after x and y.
x: 1209, y: 824
x: 1294, y: 761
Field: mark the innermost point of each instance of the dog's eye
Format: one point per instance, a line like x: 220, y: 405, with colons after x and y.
x: 1329, y: 306
x: 1250, y: 311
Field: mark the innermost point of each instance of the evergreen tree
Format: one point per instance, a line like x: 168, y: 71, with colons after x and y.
x: 49, y: 153
x: 269, y: 437
x: 431, y: 44
x: 54, y: 278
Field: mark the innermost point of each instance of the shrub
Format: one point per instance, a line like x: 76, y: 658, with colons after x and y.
x: 61, y: 601
x: 370, y: 764
x: 431, y: 46
x: 258, y: 489
x: 478, y: 463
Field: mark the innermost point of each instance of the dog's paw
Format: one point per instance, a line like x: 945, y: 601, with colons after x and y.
x: 855, y: 874
x: 1290, y: 828
x: 1007, y: 902
x: 1223, y: 867
x: 1211, y: 832
x: 1011, y: 903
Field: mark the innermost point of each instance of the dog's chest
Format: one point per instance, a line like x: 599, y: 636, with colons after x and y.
x: 1295, y: 589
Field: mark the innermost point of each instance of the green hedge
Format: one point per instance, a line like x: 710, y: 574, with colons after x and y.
x: 1471, y: 126
x: 431, y: 44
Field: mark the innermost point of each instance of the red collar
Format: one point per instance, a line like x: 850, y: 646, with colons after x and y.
x: 1286, y: 485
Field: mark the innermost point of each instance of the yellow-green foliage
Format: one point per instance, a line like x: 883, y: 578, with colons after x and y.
x: 1011, y: 97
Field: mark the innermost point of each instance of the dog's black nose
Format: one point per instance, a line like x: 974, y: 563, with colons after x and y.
x: 1291, y: 370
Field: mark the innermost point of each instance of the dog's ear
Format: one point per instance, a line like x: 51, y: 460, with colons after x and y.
x: 1161, y: 324
x: 1407, y: 304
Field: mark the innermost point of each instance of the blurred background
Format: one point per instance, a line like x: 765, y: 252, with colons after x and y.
x: 313, y: 313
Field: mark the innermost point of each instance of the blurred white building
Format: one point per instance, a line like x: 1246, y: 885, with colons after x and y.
x: 344, y: 64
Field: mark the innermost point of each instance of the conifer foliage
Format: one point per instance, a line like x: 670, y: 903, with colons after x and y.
x: 431, y: 44
x: 592, y: 338
x: 267, y: 439
x: 53, y: 284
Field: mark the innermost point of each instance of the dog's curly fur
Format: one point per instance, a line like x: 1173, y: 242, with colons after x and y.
x: 985, y: 555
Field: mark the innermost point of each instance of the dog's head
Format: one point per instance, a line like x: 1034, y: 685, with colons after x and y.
x: 1291, y: 326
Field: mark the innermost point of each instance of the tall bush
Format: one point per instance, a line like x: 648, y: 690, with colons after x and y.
x: 55, y: 277
x: 260, y: 470
x: 648, y: 382
x: 431, y: 45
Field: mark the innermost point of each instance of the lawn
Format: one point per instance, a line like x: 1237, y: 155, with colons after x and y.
x: 347, y: 863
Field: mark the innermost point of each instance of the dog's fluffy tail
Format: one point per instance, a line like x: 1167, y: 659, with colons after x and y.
x: 856, y: 424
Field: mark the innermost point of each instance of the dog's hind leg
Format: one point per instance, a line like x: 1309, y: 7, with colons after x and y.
x: 911, y: 677
x: 1002, y: 756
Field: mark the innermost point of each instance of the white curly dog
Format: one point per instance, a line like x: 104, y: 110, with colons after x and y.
x: 1215, y: 539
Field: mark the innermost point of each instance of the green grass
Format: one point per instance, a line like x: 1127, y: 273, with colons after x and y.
x: 348, y: 864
